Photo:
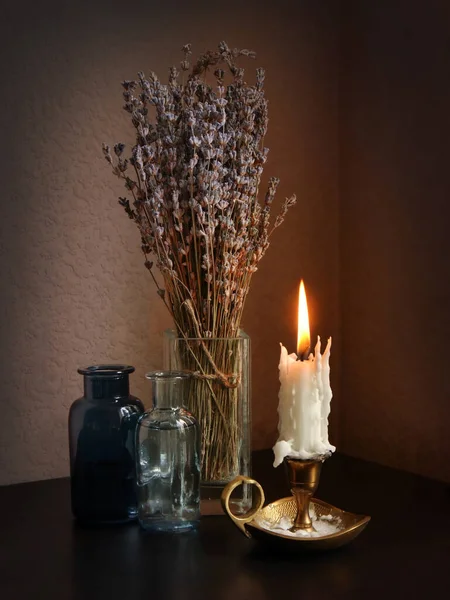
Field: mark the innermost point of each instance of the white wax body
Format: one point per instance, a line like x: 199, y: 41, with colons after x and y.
x: 304, y: 405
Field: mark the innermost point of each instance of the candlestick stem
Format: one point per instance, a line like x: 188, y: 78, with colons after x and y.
x: 303, y: 477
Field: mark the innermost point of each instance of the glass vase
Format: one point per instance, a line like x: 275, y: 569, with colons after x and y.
x: 168, y: 457
x: 101, y: 443
x: 220, y: 399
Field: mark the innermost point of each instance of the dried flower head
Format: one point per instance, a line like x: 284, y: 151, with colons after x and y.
x: 193, y: 177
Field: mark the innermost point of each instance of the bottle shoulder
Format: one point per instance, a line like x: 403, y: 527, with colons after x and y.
x: 122, y: 401
x: 133, y: 400
x: 164, y: 418
x: 78, y: 405
x: 124, y: 407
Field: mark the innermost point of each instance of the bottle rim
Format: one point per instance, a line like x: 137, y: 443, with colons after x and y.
x: 167, y: 375
x: 106, y: 370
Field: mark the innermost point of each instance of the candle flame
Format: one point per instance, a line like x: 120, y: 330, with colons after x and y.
x: 303, y: 335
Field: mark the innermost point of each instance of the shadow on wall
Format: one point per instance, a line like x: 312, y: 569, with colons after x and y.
x: 395, y: 277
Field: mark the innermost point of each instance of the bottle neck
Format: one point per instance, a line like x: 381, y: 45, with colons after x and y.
x: 106, y: 388
x: 168, y: 394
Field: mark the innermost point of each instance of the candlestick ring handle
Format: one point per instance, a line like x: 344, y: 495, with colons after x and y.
x: 258, y: 500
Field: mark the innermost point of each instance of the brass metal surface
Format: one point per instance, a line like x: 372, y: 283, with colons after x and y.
x: 258, y: 500
x: 303, y: 477
x: 351, y: 525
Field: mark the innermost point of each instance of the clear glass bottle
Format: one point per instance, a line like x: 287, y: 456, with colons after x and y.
x: 168, y: 457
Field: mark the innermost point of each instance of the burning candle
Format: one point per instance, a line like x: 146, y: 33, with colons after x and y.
x: 305, y: 395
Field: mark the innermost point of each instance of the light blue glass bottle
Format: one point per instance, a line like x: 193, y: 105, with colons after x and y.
x: 168, y: 457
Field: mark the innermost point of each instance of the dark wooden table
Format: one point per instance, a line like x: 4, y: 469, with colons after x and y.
x: 404, y: 552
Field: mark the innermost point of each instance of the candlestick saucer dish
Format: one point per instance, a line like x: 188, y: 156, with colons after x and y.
x: 259, y: 522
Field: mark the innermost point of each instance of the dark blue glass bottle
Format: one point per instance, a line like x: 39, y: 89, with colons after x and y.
x: 102, y: 428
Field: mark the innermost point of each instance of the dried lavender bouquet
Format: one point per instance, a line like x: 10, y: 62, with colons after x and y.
x: 193, y: 179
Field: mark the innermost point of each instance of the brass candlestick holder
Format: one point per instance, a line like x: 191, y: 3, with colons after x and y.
x: 303, y: 477
x: 262, y: 523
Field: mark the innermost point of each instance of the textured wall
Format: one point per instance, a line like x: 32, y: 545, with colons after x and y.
x: 394, y: 201
x: 73, y: 286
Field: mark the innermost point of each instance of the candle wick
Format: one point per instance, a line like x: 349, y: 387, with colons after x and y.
x: 303, y: 355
